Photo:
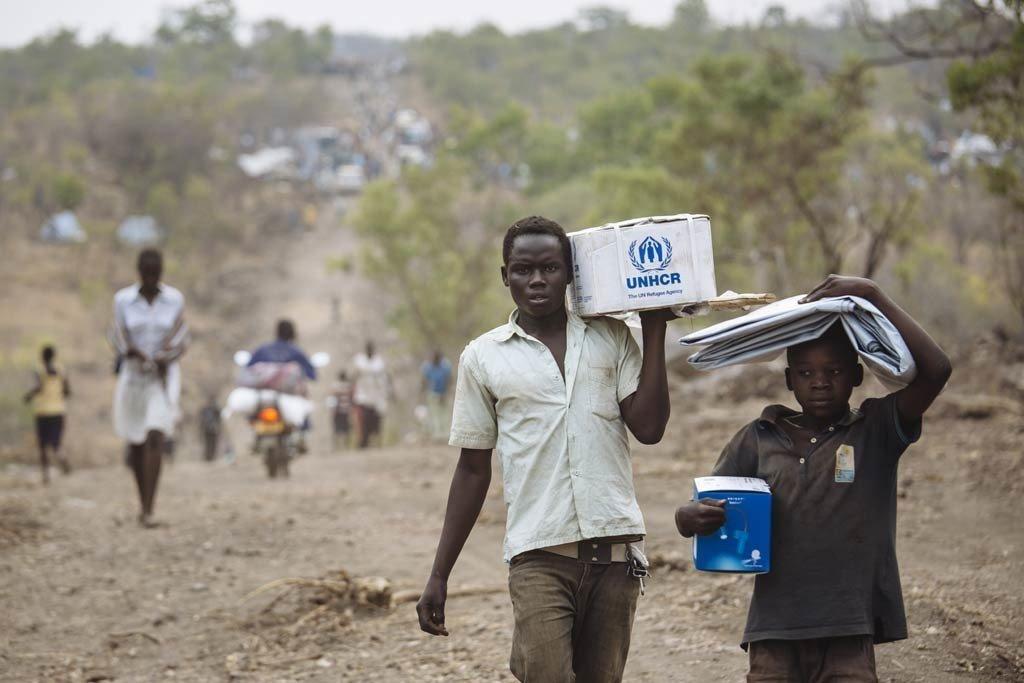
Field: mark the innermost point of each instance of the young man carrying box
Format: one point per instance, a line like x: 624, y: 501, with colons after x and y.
x: 834, y: 588
x: 554, y: 394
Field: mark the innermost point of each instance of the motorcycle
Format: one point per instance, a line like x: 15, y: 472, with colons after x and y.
x: 277, y: 418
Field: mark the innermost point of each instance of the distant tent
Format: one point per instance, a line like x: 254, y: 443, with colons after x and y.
x: 267, y: 161
x: 140, y: 231
x: 63, y: 228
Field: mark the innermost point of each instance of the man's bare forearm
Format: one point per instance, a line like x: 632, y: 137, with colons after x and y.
x: 465, y: 499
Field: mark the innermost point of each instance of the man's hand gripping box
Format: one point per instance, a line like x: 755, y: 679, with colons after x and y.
x: 642, y: 263
x: 743, y: 543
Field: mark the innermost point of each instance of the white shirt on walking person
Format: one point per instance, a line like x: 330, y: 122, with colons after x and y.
x: 372, y: 385
x: 144, y: 401
x: 562, y: 444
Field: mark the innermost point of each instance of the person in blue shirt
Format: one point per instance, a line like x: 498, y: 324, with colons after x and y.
x: 284, y: 350
x: 437, y: 375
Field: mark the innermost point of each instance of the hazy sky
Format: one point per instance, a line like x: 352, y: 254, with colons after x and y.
x: 134, y: 20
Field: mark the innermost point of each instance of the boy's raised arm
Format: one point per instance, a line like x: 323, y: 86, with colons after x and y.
x: 933, y: 365
x: 465, y: 498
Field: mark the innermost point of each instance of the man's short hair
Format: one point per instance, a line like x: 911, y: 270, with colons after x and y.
x: 834, y: 336
x: 537, y: 225
x: 150, y: 255
x: 48, y: 353
x: 285, y: 330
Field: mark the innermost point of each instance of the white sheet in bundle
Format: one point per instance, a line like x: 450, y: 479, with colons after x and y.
x: 763, y: 334
x: 294, y: 409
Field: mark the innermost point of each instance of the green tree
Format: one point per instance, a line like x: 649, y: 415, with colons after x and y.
x: 150, y: 134
x: 283, y: 51
x: 603, y: 18
x: 882, y: 187
x: 68, y: 191
x: 984, y: 42
x: 198, y: 42
x: 431, y: 242
x: 207, y: 23
x: 691, y: 16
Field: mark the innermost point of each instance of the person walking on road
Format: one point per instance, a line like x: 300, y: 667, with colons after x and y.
x: 48, y: 400
x: 555, y: 394
x: 340, y: 404
x: 437, y: 375
x: 151, y: 336
x: 210, y: 426
x: 372, y: 391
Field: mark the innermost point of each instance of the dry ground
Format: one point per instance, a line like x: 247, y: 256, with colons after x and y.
x: 89, y: 596
x: 85, y: 595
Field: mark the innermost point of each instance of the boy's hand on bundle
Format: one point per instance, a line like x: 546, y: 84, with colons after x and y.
x: 701, y: 517
x: 840, y: 285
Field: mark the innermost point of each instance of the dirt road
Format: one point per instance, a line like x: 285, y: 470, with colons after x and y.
x: 85, y: 595
x: 89, y: 596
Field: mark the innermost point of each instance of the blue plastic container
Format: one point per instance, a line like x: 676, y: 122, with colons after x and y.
x: 743, y: 543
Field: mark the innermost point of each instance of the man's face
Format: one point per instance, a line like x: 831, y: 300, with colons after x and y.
x: 822, y: 377
x: 536, y: 275
x: 150, y: 271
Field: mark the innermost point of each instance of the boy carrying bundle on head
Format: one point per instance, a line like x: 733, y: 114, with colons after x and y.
x: 834, y: 587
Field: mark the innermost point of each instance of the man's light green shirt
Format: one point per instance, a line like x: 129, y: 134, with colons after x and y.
x: 562, y: 443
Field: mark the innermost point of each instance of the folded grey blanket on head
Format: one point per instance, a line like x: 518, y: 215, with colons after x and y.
x: 763, y: 334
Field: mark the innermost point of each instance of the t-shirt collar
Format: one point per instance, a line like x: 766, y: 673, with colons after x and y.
x: 774, y: 414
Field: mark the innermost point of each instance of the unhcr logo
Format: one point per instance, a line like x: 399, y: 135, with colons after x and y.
x: 650, y: 256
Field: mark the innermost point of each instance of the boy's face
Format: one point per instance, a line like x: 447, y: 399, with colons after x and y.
x: 822, y: 377
x: 536, y: 275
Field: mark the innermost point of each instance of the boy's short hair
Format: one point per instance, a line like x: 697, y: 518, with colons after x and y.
x: 48, y: 353
x: 537, y: 225
x: 834, y: 336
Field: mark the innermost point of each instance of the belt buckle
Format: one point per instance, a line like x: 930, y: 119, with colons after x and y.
x: 594, y: 553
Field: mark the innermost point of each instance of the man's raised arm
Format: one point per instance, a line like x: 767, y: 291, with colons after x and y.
x: 646, y: 410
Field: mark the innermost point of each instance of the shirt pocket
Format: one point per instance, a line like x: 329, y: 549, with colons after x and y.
x: 601, y: 386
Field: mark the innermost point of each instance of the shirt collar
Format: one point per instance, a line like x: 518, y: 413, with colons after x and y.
x: 774, y: 414
x: 138, y: 291
x: 512, y: 328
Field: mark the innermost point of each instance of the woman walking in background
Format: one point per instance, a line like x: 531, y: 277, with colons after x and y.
x: 48, y: 399
x: 150, y: 334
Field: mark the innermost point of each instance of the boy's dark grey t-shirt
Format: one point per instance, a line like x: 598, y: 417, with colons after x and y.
x: 834, y: 570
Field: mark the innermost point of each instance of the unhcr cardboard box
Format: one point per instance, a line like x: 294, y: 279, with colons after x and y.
x: 743, y: 543
x: 642, y: 263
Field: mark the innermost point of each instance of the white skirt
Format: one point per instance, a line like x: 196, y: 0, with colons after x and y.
x: 144, y: 403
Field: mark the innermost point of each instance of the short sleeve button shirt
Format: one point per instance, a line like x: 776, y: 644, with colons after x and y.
x: 834, y: 570
x: 151, y: 326
x: 562, y: 443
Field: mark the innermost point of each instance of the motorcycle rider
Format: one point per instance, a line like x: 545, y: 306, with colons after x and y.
x: 284, y: 350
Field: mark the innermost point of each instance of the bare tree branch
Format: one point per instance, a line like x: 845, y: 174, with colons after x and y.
x: 976, y: 31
